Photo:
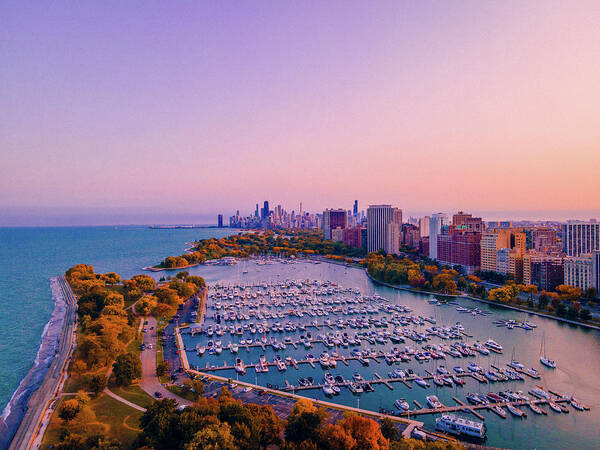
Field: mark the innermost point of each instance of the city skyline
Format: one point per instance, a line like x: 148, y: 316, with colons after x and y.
x: 434, y: 106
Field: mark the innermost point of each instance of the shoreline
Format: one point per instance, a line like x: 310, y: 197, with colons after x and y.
x: 59, y: 347
x: 15, y: 409
x: 500, y: 305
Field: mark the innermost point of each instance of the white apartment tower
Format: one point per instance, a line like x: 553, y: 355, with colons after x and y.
x: 384, y: 224
x: 435, y: 227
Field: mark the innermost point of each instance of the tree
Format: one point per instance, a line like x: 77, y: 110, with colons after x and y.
x: 365, y: 431
x: 335, y: 437
x: 168, y: 296
x: 97, y: 383
x: 157, y: 424
x: 304, y: 422
x: 569, y: 293
x: 198, y: 281
x: 79, y: 367
x: 444, y: 283
x: 144, y: 282
x: 69, y: 409
x: 269, y: 424
x: 146, y: 304
x: 585, y: 314
x: 213, y: 437
x: 126, y: 368
x: 111, y: 278
x: 590, y: 293
x: 182, y: 275
x: 389, y: 429
x: 162, y: 368
x: 163, y: 310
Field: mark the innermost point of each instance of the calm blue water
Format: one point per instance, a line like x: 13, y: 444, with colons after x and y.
x: 30, y: 256
x: 575, y: 350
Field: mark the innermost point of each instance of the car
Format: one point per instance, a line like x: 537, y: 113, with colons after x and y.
x: 146, y: 322
x: 158, y: 394
x: 263, y: 392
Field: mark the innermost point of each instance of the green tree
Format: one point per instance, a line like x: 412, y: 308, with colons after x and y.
x: 96, y: 383
x: 158, y: 424
x: 126, y: 368
x: 389, y: 429
x: 162, y: 368
x: 69, y: 409
x: 213, y: 437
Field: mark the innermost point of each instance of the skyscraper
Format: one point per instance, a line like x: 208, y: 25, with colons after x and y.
x: 265, y: 210
x: 580, y: 238
x: 435, y: 226
x: 355, y: 210
x: 424, y: 226
x: 220, y: 220
x: 332, y: 219
x: 383, y: 228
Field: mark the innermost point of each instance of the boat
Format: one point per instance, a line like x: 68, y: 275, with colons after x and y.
x: 438, y: 380
x: 335, y: 389
x: 355, y: 388
x: 473, y: 399
x: 499, y: 410
x: 578, y: 405
x: 239, y: 366
x: 554, y: 406
x: 201, y: 350
x: 324, y: 360
x: 543, y: 358
x: 494, y: 346
x: 535, y: 408
x: 458, y: 381
x: 434, y: 402
x: 327, y: 389
x: 421, y: 382
x: 234, y: 348
x: 539, y: 393
x: 515, y: 411
x: 460, y: 426
x: 402, y: 404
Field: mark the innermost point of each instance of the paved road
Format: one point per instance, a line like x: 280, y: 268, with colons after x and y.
x: 150, y: 382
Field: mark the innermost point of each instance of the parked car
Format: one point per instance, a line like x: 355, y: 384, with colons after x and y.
x: 158, y: 394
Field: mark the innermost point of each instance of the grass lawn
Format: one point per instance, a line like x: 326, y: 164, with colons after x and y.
x: 134, y: 394
x: 182, y: 392
x: 113, y: 419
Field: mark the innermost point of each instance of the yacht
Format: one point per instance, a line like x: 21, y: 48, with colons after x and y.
x: 543, y: 358
x: 402, y: 404
x: 499, y: 410
x: 239, y: 366
x: 434, y: 402
x: 327, y: 389
x: 515, y: 411
x: 421, y: 382
x: 494, y: 346
x: 459, y: 426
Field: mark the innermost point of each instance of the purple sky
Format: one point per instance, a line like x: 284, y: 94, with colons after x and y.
x: 145, y: 112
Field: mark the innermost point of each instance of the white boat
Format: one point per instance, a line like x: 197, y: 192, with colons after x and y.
x: 434, y: 402
x: 234, y: 348
x: 239, y: 366
x: 493, y: 345
x: 515, y: 411
x: 421, y: 382
x: 554, y: 406
x: 535, y: 408
x: 543, y: 358
x: 459, y: 426
x: 402, y: 404
x: 327, y: 389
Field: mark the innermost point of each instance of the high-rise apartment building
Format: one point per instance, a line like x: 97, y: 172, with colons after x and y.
x: 580, y: 238
x: 332, y: 219
x: 383, y: 228
x: 424, y: 226
x: 436, y: 222
x: 355, y: 209
x: 579, y: 271
x: 491, y: 242
x: 220, y: 220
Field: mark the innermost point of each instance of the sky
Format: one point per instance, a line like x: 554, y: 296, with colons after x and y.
x: 171, y: 112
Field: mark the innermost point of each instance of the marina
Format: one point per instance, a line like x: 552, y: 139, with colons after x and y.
x: 348, y: 344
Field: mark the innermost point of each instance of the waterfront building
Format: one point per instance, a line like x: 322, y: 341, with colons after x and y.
x: 544, y: 271
x: 545, y: 240
x: 332, y: 219
x: 457, y: 246
x: 580, y: 238
x: 579, y: 271
x: 364, y: 233
x: 491, y: 242
x: 265, y: 210
x: 352, y: 237
x: 515, y: 265
x: 596, y: 271
x: 220, y: 220
x: 337, y: 234
x: 383, y: 228
x: 502, y: 261
x: 410, y: 235
x: 436, y: 222
x: 424, y: 226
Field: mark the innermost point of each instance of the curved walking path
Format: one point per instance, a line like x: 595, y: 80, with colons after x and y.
x: 122, y: 400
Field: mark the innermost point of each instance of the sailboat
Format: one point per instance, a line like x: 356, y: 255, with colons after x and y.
x: 543, y: 359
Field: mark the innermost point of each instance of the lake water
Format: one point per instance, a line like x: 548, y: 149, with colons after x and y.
x: 29, y: 257
x: 575, y: 349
